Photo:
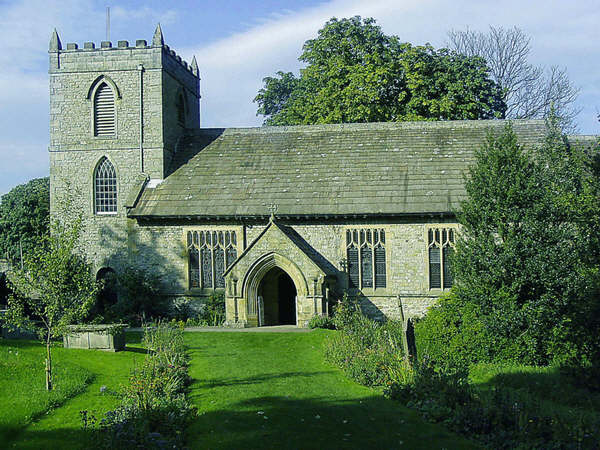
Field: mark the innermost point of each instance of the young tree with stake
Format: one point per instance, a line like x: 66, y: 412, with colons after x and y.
x: 54, y: 289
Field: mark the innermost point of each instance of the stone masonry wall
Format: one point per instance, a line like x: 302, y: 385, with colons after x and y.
x: 162, y: 249
x: 407, y: 264
x: 173, y: 129
x: 112, y: 240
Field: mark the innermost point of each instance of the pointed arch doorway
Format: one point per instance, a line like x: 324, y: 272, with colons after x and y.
x: 277, y: 297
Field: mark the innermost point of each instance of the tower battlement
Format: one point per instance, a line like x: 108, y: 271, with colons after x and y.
x: 122, y: 50
x: 122, y: 100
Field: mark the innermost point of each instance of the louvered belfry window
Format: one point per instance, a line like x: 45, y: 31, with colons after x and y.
x: 105, y: 188
x: 210, y: 253
x: 104, y: 111
x: 365, y: 252
x: 440, y: 243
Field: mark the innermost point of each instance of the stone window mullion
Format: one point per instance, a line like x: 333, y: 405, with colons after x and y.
x: 210, y: 246
x: 373, y: 268
x: 360, y: 274
x: 364, y: 258
x: 440, y: 243
x: 212, y: 264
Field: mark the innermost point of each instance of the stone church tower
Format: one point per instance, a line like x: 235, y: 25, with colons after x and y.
x: 116, y: 116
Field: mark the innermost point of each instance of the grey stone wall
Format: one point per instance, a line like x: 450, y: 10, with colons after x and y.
x: 162, y: 249
x: 113, y: 240
x: 407, y: 264
x: 71, y: 110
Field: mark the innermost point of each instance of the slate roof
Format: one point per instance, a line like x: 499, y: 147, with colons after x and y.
x: 355, y: 170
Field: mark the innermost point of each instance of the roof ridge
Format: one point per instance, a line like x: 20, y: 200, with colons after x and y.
x: 362, y: 126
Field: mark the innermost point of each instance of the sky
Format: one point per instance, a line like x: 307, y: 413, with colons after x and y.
x: 239, y: 42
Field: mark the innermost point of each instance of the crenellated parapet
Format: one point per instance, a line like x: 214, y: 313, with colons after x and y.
x: 119, y: 52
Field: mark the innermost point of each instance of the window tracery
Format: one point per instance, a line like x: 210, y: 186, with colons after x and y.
x: 365, y: 252
x: 210, y: 253
x: 440, y: 244
x: 105, y: 188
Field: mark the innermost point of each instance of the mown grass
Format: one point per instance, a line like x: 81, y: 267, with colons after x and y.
x: 552, y: 391
x: 253, y: 390
x: 22, y: 385
x: 275, y: 390
x: 31, y: 418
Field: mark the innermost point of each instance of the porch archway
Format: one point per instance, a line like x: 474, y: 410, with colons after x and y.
x: 253, y: 287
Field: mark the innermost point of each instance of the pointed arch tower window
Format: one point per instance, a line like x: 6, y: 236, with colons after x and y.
x: 180, y: 105
x: 105, y: 188
x: 104, y: 111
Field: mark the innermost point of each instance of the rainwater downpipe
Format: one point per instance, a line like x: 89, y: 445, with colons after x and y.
x: 141, y: 71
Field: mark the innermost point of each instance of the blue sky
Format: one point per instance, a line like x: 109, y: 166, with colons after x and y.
x: 237, y: 43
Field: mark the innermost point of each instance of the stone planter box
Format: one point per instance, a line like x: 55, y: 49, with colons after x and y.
x: 110, y: 337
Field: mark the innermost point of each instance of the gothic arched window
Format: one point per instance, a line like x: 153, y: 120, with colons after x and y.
x: 440, y: 247
x: 104, y: 111
x: 105, y: 188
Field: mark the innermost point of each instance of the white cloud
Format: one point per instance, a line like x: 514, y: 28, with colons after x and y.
x: 144, y: 14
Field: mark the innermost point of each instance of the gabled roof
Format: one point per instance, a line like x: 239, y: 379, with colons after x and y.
x: 293, y: 238
x: 323, y: 170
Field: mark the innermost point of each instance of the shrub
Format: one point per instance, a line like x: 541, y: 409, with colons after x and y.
x: 213, y: 311
x: 527, y: 260
x: 321, y: 322
x: 500, y: 417
x: 154, y: 410
x: 158, y: 427
x: 452, y: 334
x: 345, y: 312
x: 368, y: 351
x: 139, y: 299
x: 165, y: 341
x: 182, y: 309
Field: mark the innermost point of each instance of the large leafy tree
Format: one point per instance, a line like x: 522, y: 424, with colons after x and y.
x: 24, y: 218
x: 527, y: 265
x: 356, y: 73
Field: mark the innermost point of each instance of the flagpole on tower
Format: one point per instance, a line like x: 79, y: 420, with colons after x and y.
x: 108, y: 23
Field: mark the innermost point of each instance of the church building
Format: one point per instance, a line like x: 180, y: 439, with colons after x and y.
x: 282, y: 220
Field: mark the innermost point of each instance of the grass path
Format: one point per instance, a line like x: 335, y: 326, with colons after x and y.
x: 274, y: 390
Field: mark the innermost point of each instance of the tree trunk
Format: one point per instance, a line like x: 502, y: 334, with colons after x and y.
x: 48, y: 365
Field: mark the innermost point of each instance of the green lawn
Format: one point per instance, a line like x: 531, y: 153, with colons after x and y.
x: 253, y: 390
x: 274, y: 390
x: 31, y: 418
x: 22, y: 386
x: 545, y: 386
